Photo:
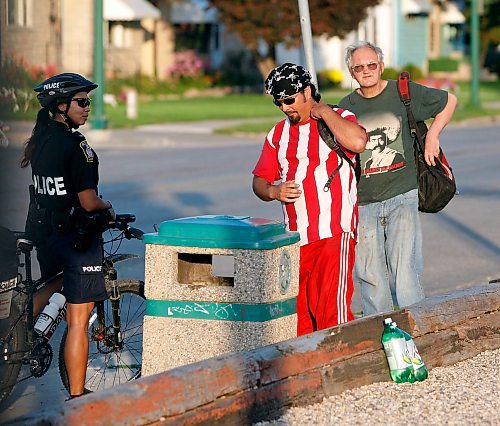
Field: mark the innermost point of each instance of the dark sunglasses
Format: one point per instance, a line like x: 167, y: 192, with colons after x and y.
x: 286, y: 101
x: 372, y: 66
x: 82, y: 102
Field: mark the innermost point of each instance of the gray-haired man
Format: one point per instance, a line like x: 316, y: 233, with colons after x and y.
x: 389, y: 253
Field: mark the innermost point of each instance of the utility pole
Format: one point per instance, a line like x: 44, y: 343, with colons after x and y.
x: 98, y: 117
x: 474, y: 53
x: 305, y: 25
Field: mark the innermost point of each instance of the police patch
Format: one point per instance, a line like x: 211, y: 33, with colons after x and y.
x: 87, y: 150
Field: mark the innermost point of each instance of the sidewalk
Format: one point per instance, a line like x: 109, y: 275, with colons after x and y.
x: 189, y: 134
x: 185, y: 134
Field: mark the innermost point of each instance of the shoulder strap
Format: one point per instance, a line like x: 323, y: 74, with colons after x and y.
x: 330, y: 140
x: 404, y: 94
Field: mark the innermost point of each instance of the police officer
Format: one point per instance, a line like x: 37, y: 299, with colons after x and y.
x: 65, y: 177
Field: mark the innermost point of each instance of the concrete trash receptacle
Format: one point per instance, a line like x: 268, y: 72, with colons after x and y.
x: 217, y: 284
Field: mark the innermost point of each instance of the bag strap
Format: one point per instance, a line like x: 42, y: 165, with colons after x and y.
x: 330, y: 140
x: 404, y: 94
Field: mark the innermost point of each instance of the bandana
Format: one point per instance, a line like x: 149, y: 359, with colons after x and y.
x: 287, y: 80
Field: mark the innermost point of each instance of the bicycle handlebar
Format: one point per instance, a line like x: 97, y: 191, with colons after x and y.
x: 121, y: 223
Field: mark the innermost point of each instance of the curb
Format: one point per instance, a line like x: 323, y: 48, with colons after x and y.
x: 248, y: 386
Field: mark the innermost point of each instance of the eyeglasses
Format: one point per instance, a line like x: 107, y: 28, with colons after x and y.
x: 82, y: 102
x: 287, y: 101
x: 372, y: 66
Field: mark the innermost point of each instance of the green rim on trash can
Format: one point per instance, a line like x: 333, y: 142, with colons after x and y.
x: 221, y: 231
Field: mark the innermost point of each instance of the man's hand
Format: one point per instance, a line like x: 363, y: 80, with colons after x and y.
x: 318, y: 109
x: 287, y: 192
x: 431, y: 149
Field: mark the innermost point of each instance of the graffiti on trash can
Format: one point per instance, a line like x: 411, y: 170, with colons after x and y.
x: 217, y: 310
x: 250, y: 312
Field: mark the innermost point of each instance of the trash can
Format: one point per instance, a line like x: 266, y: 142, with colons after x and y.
x: 217, y: 284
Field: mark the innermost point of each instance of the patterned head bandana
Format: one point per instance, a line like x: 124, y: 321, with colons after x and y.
x: 287, y: 80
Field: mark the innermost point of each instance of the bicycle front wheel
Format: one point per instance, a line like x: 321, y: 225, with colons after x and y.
x: 107, y: 365
x: 12, y: 345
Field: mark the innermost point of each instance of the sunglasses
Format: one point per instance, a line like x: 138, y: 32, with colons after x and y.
x: 372, y: 66
x: 286, y: 101
x: 82, y: 102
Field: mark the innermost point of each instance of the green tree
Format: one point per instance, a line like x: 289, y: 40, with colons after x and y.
x: 277, y: 21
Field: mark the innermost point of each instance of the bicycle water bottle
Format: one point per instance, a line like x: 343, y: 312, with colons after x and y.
x: 57, y: 303
x: 394, y: 344
x: 420, y: 371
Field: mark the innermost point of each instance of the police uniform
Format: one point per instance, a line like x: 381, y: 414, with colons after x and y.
x: 63, y: 164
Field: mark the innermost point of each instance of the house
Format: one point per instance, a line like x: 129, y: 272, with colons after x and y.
x: 408, y: 31
x: 138, y: 37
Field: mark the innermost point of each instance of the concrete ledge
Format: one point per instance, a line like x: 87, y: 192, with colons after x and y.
x: 248, y: 386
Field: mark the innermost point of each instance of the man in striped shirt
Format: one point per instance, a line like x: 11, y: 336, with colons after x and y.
x: 317, y: 190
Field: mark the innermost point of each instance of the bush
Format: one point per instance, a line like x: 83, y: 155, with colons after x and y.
x: 492, y: 59
x: 17, y: 80
x: 146, y: 85
x: 393, y: 73
x: 443, y: 64
x: 390, y: 73
x: 186, y: 64
x: 415, y: 72
x: 240, y: 69
x: 328, y: 79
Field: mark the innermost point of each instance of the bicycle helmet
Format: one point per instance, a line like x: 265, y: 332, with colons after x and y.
x: 61, y: 88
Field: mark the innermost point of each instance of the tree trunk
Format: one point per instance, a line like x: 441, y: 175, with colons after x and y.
x: 265, y: 65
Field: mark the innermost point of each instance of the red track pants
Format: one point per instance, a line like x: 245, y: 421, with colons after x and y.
x: 325, y: 283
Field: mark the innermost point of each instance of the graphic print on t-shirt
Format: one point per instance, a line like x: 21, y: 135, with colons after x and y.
x: 384, y: 149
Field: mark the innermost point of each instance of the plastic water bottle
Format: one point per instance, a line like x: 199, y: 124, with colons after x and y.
x: 394, y: 344
x: 47, y: 317
x: 419, y: 369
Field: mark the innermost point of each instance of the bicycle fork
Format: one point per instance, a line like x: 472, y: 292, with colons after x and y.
x: 115, y: 315
x: 111, y: 336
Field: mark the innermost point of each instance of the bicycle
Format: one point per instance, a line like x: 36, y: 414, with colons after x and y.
x: 115, y: 325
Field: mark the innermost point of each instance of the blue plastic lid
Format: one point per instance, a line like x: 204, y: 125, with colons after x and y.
x: 219, y: 231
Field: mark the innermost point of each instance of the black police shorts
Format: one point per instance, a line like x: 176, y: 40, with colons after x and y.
x: 83, y: 276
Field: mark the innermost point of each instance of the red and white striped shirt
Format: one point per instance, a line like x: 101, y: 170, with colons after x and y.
x: 297, y: 152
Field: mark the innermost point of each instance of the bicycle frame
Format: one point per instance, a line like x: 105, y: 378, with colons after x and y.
x: 31, y: 296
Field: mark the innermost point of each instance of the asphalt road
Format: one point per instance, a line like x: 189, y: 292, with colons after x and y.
x: 166, y: 172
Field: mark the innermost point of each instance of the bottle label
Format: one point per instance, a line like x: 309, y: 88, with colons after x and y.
x: 397, y: 354
x: 43, y: 322
x: 415, y: 355
x: 60, y: 316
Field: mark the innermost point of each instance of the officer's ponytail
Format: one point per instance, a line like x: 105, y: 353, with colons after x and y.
x: 41, y: 125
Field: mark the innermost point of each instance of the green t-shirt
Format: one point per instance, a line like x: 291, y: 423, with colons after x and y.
x: 388, y: 162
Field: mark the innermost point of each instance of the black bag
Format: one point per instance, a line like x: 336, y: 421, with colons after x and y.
x: 8, y: 256
x: 436, y: 184
x: 330, y: 140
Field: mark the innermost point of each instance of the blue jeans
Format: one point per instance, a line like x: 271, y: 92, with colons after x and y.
x: 389, y: 259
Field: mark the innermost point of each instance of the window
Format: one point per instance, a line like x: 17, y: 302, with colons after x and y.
x: 19, y: 13
x: 119, y: 35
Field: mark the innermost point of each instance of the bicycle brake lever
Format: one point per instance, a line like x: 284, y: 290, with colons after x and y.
x: 134, y: 233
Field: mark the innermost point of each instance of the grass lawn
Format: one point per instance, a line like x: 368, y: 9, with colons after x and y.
x: 252, y: 106
x: 489, y: 96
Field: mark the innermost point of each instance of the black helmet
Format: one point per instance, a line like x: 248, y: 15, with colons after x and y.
x: 61, y: 87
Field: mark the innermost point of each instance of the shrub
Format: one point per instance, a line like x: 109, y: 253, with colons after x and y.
x: 415, y: 72
x: 390, y: 73
x: 17, y: 80
x: 186, y: 64
x: 240, y: 69
x: 443, y: 64
x: 393, y: 73
x: 330, y: 78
